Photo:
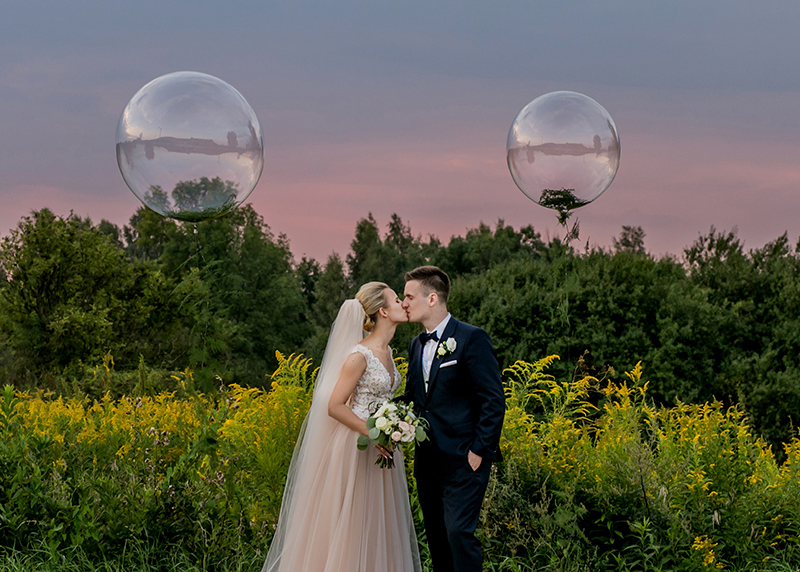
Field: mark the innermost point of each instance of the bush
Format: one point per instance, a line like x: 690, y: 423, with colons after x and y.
x: 178, y: 469
x: 623, y: 485
x: 594, y: 477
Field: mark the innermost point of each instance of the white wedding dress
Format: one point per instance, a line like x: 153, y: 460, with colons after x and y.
x: 340, y: 511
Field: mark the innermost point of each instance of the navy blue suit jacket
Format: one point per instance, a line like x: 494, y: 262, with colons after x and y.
x: 465, y: 402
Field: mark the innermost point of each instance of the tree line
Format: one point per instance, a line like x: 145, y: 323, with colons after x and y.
x: 221, y: 296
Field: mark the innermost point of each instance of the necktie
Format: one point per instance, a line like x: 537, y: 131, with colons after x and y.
x: 425, y: 337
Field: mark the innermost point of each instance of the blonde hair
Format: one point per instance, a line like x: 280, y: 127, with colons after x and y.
x: 372, y: 299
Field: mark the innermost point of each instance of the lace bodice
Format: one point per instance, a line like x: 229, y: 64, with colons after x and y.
x: 375, y: 386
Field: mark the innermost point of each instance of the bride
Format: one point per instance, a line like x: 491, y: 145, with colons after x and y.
x: 340, y: 511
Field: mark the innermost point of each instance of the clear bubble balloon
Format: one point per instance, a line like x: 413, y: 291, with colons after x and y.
x: 563, y: 150
x: 189, y: 146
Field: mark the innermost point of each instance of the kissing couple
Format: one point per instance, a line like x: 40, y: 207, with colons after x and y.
x: 343, y: 513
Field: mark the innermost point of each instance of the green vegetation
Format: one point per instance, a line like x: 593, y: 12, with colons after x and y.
x: 187, y: 313
x: 219, y: 296
x: 594, y: 478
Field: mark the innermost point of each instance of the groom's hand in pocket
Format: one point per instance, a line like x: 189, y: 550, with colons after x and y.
x: 474, y: 460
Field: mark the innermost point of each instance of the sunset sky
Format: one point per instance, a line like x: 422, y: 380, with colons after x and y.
x: 404, y: 107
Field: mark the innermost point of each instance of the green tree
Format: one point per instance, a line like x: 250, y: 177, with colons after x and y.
x: 483, y: 248
x: 249, y: 298
x: 308, y: 272
x: 365, y: 261
x: 196, y: 200
x: 631, y: 240
x: 331, y: 289
x: 760, y: 290
x: 386, y: 259
x: 622, y: 308
x: 147, y: 234
x: 70, y: 293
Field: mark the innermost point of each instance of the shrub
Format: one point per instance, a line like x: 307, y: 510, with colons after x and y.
x: 624, y: 485
x: 594, y: 477
x: 204, y: 472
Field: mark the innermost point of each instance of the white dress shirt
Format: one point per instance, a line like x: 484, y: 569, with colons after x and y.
x: 429, y: 351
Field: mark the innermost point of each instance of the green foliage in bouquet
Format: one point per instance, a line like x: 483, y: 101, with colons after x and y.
x: 392, y: 425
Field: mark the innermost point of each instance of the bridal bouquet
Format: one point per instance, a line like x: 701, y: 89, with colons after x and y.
x: 391, y: 424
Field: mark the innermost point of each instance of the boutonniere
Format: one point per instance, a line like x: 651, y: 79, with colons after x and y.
x: 447, y: 346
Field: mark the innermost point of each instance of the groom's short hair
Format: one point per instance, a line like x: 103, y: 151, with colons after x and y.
x: 432, y: 279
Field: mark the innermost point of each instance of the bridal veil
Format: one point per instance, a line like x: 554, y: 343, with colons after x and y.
x: 340, y: 512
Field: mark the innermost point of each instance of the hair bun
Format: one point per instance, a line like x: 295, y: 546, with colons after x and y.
x: 372, y: 300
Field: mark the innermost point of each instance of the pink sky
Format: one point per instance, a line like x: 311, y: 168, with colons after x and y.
x: 405, y: 109
x: 676, y: 180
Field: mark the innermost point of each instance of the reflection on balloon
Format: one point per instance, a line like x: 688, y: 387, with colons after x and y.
x: 563, y: 151
x: 189, y: 146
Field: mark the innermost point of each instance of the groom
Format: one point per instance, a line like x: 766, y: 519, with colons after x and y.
x: 454, y: 382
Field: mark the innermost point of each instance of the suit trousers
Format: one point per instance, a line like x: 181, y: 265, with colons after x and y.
x: 451, y: 495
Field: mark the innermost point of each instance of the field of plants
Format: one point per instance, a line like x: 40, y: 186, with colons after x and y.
x: 147, y: 423
x: 595, y: 477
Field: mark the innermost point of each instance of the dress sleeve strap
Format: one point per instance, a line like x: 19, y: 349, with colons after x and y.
x: 361, y: 350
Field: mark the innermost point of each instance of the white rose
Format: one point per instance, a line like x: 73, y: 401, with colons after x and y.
x: 396, y: 436
x: 404, y: 427
x: 451, y: 345
x: 391, y: 407
x: 381, y: 423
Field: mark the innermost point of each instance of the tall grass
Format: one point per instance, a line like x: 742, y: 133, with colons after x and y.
x: 594, y: 478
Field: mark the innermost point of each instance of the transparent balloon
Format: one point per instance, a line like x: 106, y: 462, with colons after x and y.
x: 563, y: 150
x: 189, y: 146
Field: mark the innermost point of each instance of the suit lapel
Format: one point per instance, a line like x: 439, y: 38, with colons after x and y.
x: 415, y: 370
x: 449, y: 331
